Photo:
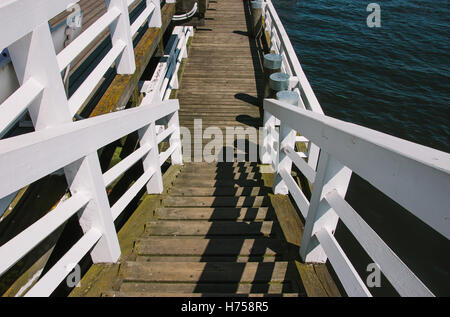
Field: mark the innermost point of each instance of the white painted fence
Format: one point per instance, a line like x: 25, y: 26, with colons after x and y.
x: 73, y: 146
x: 39, y: 69
x: 415, y: 176
x: 165, y: 77
x: 280, y: 44
x: 59, y: 143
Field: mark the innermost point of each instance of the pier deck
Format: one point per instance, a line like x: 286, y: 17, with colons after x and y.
x: 157, y: 187
x: 217, y: 230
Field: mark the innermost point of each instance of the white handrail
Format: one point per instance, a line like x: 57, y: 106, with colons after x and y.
x: 47, y: 284
x: 59, y: 143
x: 281, y: 44
x: 71, y: 51
x: 142, y: 18
x: 66, y: 143
x: 385, y: 161
x: 112, y: 174
x: 70, y: 146
x: 291, y: 61
x: 20, y: 17
x: 16, y: 248
x: 415, y: 176
x: 165, y: 77
x: 27, y: 25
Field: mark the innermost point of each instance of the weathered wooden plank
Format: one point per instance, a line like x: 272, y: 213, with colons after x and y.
x: 205, y: 228
x: 209, y: 294
x: 257, y: 201
x: 310, y: 281
x: 288, y: 218
x: 213, y: 214
x: 121, y: 88
x: 205, y: 191
x: 197, y: 258
x: 326, y: 280
x: 205, y: 272
x: 218, y: 183
x: 189, y: 288
x: 191, y: 168
x: 194, y: 175
x: 208, y: 247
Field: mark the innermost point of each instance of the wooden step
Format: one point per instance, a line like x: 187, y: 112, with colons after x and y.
x: 220, y: 176
x: 235, y: 163
x: 198, y: 258
x: 205, y: 201
x: 217, y: 183
x: 195, y: 108
x: 188, y: 295
x: 237, y: 214
x: 287, y: 287
x: 189, y: 124
x: 163, y: 246
x: 192, y: 168
x: 222, y: 191
x: 200, y: 272
x: 209, y: 229
x: 217, y: 121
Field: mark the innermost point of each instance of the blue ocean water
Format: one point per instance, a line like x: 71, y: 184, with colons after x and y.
x: 394, y: 79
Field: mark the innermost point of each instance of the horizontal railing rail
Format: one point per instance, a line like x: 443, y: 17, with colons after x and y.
x: 58, y: 143
x: 165, y: 77
x: 415, y: 176
x: 281, y: 44
x: 73, y: 147
x: 40, y: 76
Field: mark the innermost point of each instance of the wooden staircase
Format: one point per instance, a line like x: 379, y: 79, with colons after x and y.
x: 215, y: 235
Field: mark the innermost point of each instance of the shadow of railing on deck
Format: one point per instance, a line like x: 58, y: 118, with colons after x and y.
x: 246, y: 221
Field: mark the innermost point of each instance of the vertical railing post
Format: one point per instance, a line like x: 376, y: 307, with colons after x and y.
x: 313, y: 155
x: 120, y: 31
x: 147, y: 135
x: 155, y: 19
x: 175, y: 139
x: 267, y: 139
x: 33, y: 56
x: 331, y: 174
x: 85, y: 175
x: 287, y: 139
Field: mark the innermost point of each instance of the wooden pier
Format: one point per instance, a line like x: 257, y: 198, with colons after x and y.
x: 218, y: 230
x: 136, y: 208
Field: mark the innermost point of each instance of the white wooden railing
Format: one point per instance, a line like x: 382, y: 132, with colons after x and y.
x: 39, y: 69
x: 59, y: 143
x: 73, y: 146
x: 165, y: 77
x: 280, y: 44
x: 415, y: 176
